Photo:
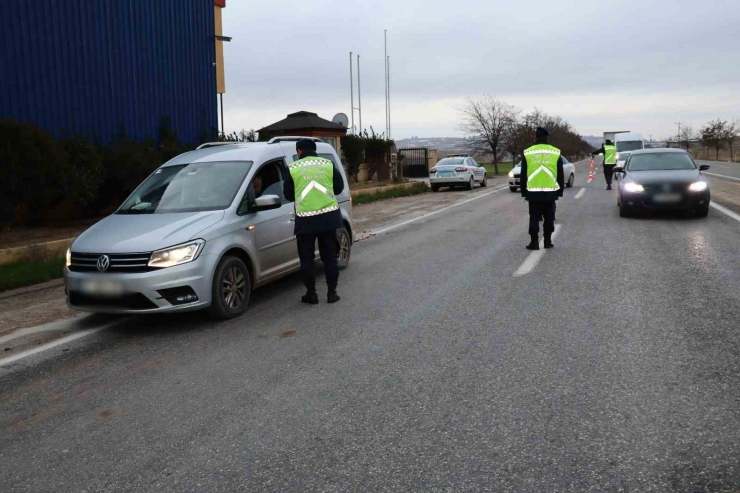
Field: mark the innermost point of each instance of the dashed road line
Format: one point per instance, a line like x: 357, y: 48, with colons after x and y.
x: 580, y: 194
x: 534, y: 257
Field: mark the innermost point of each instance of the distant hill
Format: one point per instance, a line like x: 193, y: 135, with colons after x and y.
x: 593, y: 140
x: 444, y: 144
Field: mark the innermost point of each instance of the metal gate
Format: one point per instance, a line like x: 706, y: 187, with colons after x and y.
x: 415, y: 162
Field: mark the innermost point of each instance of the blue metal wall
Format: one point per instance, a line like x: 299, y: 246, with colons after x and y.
x: 93, y: 66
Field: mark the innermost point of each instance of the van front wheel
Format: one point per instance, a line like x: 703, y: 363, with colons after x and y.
x: 344, y: 248
x: 232, y: 288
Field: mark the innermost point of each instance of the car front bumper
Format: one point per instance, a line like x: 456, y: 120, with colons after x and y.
x: 141, y: 292
x: 514, y: 182
x: 648, y: 201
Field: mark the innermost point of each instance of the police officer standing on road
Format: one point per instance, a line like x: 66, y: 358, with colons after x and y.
x: 609, y: 150
x: 542, y: 183
x: 312, y: 184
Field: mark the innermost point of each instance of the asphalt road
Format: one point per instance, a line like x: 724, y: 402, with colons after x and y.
x: 723, y: 170
x: 613, y: 365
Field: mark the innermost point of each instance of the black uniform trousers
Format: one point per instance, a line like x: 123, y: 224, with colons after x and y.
x: 328, y: 252
x: 538, y: 210
x: 609, y: 173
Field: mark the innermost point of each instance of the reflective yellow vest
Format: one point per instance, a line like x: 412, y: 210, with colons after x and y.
x: 610, y: 154
x: 314, y: 186
x: 542, y: 168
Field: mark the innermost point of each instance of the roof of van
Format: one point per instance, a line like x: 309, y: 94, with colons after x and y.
x: 242, y: 151
x: 631, y: 136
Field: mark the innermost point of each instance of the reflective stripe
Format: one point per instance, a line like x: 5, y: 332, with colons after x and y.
x: 544, y: 169
x: 541, y: 151
x: 311, y: 186
x: 316, y: 213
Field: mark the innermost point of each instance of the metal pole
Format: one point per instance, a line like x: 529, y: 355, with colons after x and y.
x: 389, y: 96
x: 223, y: 130
x: 351, y: 92
x: 359, y: 92
x: 385, y: 36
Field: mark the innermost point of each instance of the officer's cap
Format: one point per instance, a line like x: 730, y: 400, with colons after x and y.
x: 305, y: 145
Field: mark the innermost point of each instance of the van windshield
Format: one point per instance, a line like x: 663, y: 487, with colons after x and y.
x: 629, y: 145
x: 188, y: 188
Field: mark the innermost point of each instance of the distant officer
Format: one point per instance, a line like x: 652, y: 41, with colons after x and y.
x: 312, y: 184
x: 542, y: 183
x: 609, y: 151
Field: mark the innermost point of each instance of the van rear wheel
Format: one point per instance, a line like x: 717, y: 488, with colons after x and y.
x: 232, y: 288
x: 344, y: 248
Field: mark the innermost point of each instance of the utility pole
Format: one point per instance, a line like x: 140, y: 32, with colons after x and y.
x: 359, y: 92
x: 385, y: 58
x: 679, y: 129
x: 388, y: 64
x: 351, y: 92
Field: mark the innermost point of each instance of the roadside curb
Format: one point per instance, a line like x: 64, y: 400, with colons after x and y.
x: 31, y: 289
x: 370, y: 191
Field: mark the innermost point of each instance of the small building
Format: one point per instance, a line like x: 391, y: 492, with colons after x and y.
x: 306, y: 124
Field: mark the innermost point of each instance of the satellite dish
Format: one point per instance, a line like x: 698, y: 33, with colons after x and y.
x: 341, y: 119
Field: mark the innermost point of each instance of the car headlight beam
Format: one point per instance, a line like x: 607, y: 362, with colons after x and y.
x: 698, y: 186
x: 69, y: 256
x: 511, y: 174
x: 176, y: 255
x: 633, y: 188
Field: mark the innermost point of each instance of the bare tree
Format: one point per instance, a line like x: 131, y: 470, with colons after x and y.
x: 488, y: 121
x: 714, y: 134
x: 686, y: 135
x: 731, y: 134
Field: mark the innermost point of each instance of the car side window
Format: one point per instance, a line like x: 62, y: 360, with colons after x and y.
x: 268, y: 180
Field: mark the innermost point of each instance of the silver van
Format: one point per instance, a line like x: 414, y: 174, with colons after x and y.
x: 202, y: 231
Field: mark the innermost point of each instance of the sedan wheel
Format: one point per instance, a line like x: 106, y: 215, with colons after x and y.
x: 471, y: 183
x: 232, y: 288
x: 344, y: 248
x: 571, y: 181
x: 484, y: 183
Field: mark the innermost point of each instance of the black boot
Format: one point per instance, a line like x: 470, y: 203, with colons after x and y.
x: 548, y: 241
x: 534, y: 244
x: 609, y: 186
x: 333, y: 297
x: 311, y: 297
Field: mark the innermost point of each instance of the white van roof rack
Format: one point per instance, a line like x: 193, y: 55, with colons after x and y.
x: 206, y: 145
x: 277, y: 140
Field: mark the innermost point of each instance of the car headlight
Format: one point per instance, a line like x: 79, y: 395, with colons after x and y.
x: 699, y: 186
x: 176, y: 255
x: 633, y: 187
x: 511, y: 174
x: 69, y: 256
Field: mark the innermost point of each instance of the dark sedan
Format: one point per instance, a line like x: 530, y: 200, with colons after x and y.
x: 662, y: 179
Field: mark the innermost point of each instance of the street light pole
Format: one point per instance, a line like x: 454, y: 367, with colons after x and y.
x: 359, y: 91
x: 351, y: 92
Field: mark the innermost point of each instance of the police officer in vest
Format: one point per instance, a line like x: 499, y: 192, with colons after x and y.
x: 542, y: 183
x: 312, y: 184
x: 609, y: 150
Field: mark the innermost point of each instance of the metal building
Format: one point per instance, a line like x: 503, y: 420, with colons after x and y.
x: 96, y: 66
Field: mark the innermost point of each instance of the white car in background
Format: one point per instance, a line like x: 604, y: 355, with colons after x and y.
x: 569, y: 170
x: 457, y: 171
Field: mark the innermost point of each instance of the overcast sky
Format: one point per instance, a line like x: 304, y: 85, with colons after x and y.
x: 638, y: 65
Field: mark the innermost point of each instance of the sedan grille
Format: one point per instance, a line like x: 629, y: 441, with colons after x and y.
x: 117, y: 262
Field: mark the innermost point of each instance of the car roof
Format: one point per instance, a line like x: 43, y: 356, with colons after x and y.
x: 658, y: 150
x: 257, y: 152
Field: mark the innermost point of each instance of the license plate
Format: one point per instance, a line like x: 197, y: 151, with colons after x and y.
x: 446, y: 173
x: 102, y: 288
x: 667, y: 198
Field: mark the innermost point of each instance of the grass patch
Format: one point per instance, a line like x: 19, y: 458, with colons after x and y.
x: 22, y: 274
x: 503, y: 169
x: 393, y: 193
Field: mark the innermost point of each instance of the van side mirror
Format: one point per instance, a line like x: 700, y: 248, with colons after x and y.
x: 703, y: 167
x: 267, y: 203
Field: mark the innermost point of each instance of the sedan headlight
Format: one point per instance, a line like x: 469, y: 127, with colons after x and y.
x: 176, y: 255
x: 633, y: 188
x: 511, y: 174
x: 699, y: 186
x: 69, y: 256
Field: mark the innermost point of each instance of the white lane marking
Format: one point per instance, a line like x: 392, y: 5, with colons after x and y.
x: 726, y: 211
x: 50, y: 345
x: 50, y: 327
x: 580, y: 194
x: 589, y: 180
x: 434, y: 213
x: 534, y: 257
x: 721, y: 176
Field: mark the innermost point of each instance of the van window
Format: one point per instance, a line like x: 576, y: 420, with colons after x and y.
x: 629, y: 145
x: 188, y: 188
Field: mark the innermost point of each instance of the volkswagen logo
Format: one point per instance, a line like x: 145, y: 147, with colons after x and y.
x: 103, y: 263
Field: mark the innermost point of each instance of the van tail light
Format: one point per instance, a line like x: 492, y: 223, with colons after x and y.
x: 433, y: 170
x: 461, y: 170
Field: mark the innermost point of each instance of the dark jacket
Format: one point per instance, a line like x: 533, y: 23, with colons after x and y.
x: 542, y: 196
x: 323, y: 222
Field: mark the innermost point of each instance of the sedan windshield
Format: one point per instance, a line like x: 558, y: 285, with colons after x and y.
x: 188, y: 188
x: 451, y: 161
x: 660, y: 161
x: 622, y: 156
